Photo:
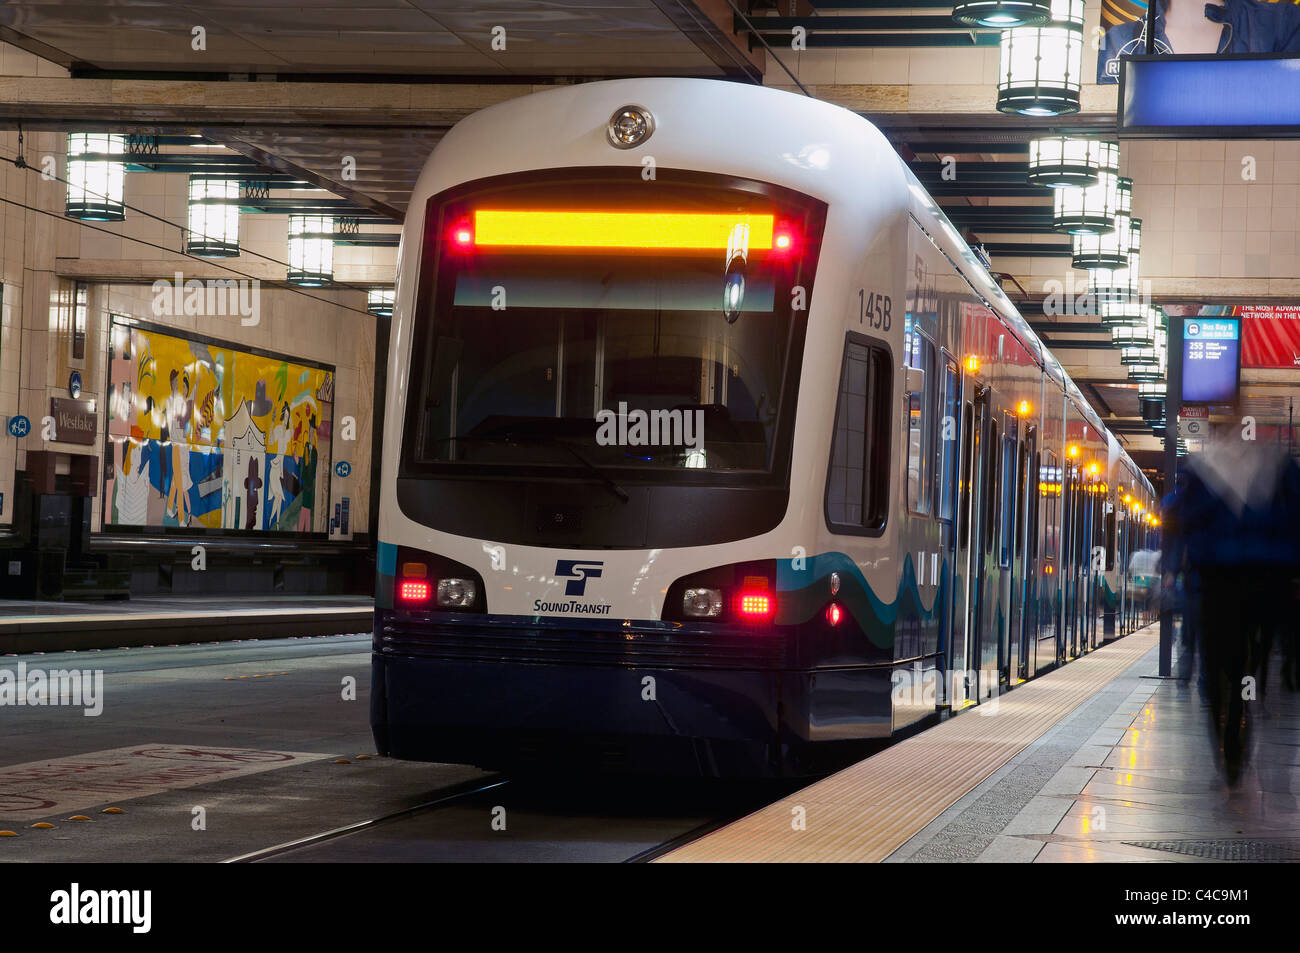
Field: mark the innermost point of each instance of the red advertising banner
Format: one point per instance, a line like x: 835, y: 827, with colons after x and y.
x: 1270, y: 336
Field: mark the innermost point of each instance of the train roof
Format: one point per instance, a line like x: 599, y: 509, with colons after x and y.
x: 807, y: 144
x: 950, y: 240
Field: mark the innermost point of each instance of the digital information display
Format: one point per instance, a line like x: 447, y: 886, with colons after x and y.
x: 1211, y: 360
x: 1215, y: 96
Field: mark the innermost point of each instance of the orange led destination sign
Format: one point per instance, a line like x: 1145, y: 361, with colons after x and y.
x: 556, y: 229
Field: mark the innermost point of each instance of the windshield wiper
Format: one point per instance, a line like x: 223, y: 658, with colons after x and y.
x: 509, y: 435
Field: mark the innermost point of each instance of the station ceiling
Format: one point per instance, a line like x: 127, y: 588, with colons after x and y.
x: 423, y: 38
x: 448, y: 44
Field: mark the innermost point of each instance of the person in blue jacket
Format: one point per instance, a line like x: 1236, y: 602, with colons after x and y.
x: 1193, y: 26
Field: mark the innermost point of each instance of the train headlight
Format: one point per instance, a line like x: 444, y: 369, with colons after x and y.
x: 702, y: 603
x: 456, y: 593
x: 630, y: 126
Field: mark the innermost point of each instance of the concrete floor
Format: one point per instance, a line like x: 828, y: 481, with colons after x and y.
x: 249, y: 732
x: 1134, y: 775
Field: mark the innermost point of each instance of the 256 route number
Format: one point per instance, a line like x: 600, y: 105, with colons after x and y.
x: 875, y: 310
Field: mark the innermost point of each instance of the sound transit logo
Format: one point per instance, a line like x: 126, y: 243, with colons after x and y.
x: 581, y: 571
x: 578, y: 572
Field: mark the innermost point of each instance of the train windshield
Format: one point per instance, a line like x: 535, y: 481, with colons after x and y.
x: 651, y: 329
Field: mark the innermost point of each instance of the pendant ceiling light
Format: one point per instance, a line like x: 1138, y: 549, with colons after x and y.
x: 96, y: 177
x: 1121, y: 284
x: 1002, y: 14
x: 379, y: 301
x: 1090, y: 210
x: 1134, y: 334
x: 1147, y: 372
x: 1060, y: 162
x: 1041, y: 66
x: 1109, y: 250
x: 213, y: 217
x: 1115, y: 313
x: 311, y: 250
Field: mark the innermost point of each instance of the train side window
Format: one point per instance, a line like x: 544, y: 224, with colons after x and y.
x: 857, y: 487
x: 1008, y: 500
x: 946, y: 469
x: 920, y: 424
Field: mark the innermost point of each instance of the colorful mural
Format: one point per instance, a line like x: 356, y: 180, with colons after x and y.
x: 204, y: 435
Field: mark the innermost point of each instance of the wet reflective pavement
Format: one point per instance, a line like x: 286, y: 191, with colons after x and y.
x: 1136, y: 775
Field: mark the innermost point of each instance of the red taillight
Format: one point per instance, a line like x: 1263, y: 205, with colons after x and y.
x: 834, y: 613
x: 462, y: 235
x: 414, y: 590
x: 783, y: 238
x: 754, y: 605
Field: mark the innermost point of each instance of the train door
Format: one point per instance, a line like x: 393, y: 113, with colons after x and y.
x: 1121, y: 565
x: 1004, y: 550
x: 1027, y: 541
x: 970, y: 542
x: 946, y: 498
x: 1087, y: 542
x: 981, y: 649
x: 1069, y: 646
x: 989, y: 629
x: 963, y: 590
x: 1066, y: 564
x: 1049, y: 612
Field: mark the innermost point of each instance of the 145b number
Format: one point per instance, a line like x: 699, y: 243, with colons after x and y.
x: 875, y: 310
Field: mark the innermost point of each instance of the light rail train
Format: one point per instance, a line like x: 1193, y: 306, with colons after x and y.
x: 712, y: 448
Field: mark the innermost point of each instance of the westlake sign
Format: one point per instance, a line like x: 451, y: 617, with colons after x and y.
x: 75, y: 421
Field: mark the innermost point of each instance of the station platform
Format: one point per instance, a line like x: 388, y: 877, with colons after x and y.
x: 61, y: 626
x: 1098, y: 761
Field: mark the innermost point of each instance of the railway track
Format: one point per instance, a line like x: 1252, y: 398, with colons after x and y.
x: 503, y: 818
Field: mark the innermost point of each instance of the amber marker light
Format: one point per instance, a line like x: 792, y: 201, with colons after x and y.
x: 972, y: 363
x: 1023, y: 408
x: 1074, y: 450
x: 602, y: 229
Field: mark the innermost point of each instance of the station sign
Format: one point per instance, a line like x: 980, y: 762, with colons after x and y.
x: 75, y: 421
x: 1211, y: 360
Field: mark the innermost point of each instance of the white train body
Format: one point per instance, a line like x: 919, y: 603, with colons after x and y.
x: 943, y: 557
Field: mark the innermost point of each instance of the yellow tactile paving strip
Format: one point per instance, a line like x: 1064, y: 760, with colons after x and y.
x: 867, y: 811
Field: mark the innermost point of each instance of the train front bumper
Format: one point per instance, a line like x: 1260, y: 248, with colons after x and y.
x: 501, y: 694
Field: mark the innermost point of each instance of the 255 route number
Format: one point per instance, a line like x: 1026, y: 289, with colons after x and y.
x: 875, y: 310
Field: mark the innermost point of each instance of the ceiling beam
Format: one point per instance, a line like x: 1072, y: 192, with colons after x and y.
x: 822, y: 24
x: 110, y: 105
x: 822, y: 40
x: 1028, y: 250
